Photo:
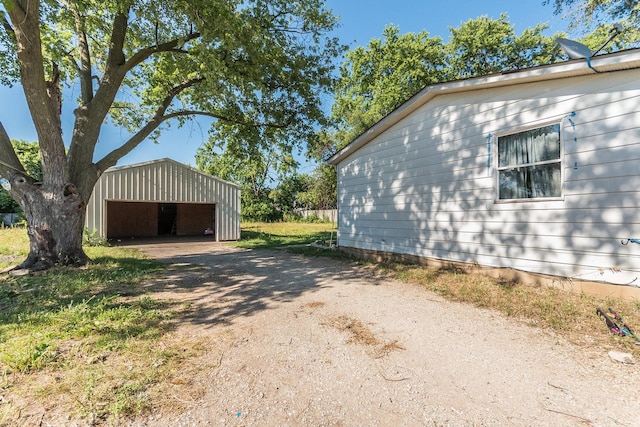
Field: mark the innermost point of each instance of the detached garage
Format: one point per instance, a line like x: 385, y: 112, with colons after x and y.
x: 163, y: 198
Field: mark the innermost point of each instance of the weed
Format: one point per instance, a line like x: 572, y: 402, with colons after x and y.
x: 360, y: 334
x: 93, y: 238
x: 315, y: 304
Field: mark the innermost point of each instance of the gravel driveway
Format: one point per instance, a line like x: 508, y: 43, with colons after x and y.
x: 311, y: 341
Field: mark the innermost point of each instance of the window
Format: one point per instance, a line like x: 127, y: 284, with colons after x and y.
x: 529, y: 165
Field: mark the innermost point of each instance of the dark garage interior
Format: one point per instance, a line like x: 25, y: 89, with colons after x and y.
x: 150, y: 219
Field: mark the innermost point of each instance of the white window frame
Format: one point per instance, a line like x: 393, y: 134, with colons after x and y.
x: 499, y: 168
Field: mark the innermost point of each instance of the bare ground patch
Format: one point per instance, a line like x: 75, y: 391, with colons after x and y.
x: 286, y: 361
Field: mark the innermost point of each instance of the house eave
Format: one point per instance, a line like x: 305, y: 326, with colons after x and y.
x: 620, y: 61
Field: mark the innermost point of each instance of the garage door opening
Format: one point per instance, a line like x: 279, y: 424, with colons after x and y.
x: 151, y: 219
x: 167, y: 213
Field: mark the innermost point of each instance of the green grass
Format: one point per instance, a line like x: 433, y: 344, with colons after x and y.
x: 14, y: 246
x: 88, y: 339
x: 271, y: 235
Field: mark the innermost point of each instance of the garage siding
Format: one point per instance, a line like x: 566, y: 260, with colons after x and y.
x: 167, y: 181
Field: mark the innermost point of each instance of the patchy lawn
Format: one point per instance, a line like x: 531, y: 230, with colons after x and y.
x: 255, y: 235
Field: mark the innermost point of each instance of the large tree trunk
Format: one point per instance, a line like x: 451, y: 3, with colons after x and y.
x: 55, y: 223
x: 54, y: 209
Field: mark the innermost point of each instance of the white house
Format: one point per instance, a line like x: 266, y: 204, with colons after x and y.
x: 163, y: 197
x: 536, y: 170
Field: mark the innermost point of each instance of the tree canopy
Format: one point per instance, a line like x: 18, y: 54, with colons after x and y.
x: 484, y: 46
x: 255, y: 168
x: 258, y: 67
x: 593, y: 20
x: 270, y: 186
x: 141, y: 64
x: 597, y: 12
x: 377, y: 78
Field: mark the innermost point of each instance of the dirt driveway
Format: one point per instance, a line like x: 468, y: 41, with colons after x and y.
x: 310, y: 341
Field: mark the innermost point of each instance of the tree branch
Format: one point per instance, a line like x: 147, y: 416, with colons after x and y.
x: 84, y: 68
x: 158, y: 118
x: 54, y: 91
x: 7, y: 26
x: 112, y: 158
x: 169, y: 46
x: 42, y: 96
x: 118, y: 35
x: 17, y: 10
x: 90, y: 117
x: 183, y: 113
x: 9, y: 162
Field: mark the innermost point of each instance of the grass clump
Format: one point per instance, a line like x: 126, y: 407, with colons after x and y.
x: 361, y: 334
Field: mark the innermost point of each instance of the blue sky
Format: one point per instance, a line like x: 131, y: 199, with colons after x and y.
x: 360, y: 21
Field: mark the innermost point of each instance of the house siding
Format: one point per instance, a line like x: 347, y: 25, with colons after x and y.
x: 427, y: 185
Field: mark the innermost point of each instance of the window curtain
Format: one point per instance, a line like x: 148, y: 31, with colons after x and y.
x: 516, y: 153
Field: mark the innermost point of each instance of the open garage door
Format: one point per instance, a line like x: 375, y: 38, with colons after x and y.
x: 150, y: 219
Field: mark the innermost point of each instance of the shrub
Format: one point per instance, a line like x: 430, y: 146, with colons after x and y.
x: 93, y: 238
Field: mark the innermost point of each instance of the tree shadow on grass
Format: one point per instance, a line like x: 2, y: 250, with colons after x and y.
x: 262, y: 240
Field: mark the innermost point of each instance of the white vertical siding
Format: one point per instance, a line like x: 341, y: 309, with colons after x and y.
x: 427, y: 185
x: 166, y: 181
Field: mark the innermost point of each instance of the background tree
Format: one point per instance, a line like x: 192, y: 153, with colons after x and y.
x: 586, y: 13
x: 374, y: 80
x: 7, y: 204
x: 286, y: 195
x: 255, y: 166
x: 29, y: 155
x: 593, y: 20
x: 377, y: 78
x: 484, y: 46
x: 320, y: 189
x: 256, y: 64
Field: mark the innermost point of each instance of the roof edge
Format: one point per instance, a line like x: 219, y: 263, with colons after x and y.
x: 167, y: 160
x: 619, y: 61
